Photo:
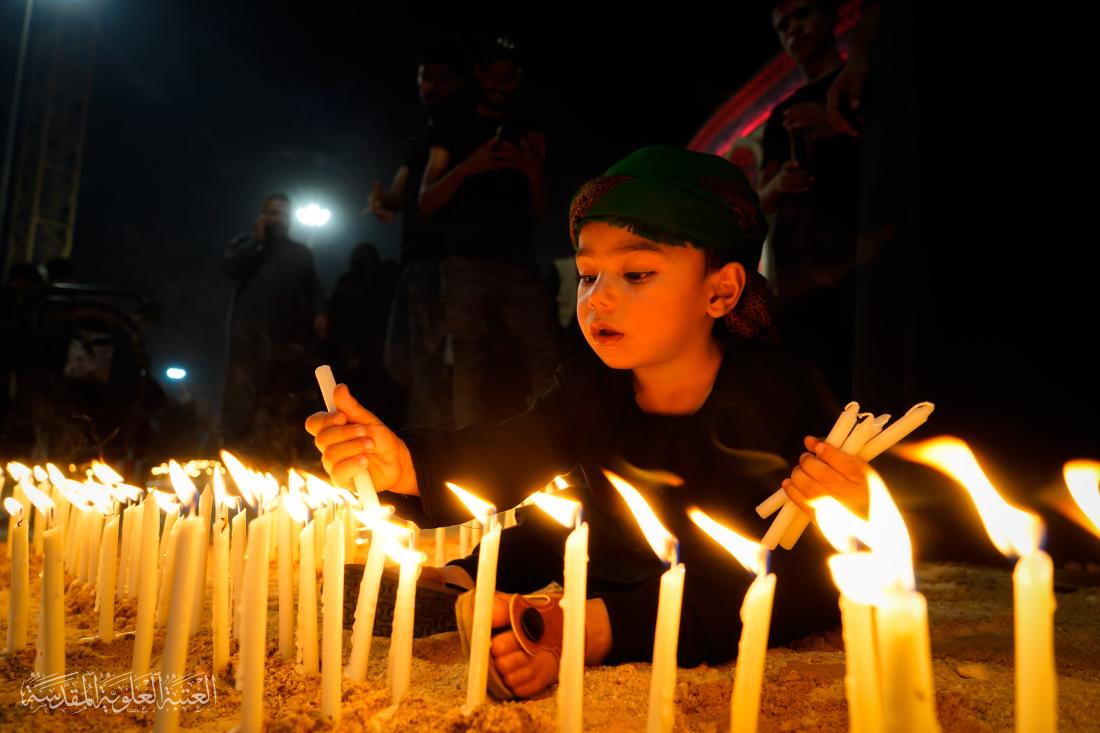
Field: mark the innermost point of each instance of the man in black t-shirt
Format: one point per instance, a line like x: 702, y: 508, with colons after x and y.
x: 415, y: 335
x: 485, y: 184
x: 810, y: 182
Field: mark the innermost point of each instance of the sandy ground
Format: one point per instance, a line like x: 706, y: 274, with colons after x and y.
x: 971, y: 627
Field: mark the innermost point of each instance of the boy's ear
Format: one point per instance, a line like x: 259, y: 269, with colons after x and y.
x: 726, y: 286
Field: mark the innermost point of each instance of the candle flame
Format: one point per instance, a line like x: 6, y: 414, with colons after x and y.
x: 41, y: 500
x: 40, y: 474
x: 13, y: 506
x: 242, y: 477
x: 659, y: 538
x: 841, y: 528
x: 56, y: 477
x: 270, y: 491
x: 182, y: 483
x: 105, y: 474
x: 888, y: 535
x: 126, y: 492
x: 858, y: 576
x: 74, y: 493
x: 100, y: 497
x: 1014, y: 532
x: 400, y: 553
x: 167, y: 502
x: 480, y: 508
x: 1083, y: 480
x: 560, y: 483
x: 18, y: 471
x: 295, y: 507
x: 564, y: 511
x: 752, y: 555
x: 221, y: 495
x: 369, y: 518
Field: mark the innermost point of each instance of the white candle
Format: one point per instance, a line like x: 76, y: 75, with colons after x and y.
x: 905, y: 659
x: 136, y: 549
x: 221, y: 597
x: 662, y: 681
x: 174, y: 659
x: 363, y: 629
x: 105, y: 583
x: 333, y: 617
x: 20, y: 576
x: 169, y: 519
x: 440, y: 546
x: 75, y: 539
x: 350, y: 532
x: 756, y: 613
x: 147, y: 549
x: 860, y: 659
x: 307, y: 603
x: 364, y: 486
x: 50, y: 653
x: 1036, y: 679
x: 464, y: 539
x: 475, y: 533
x: 39, y: 530
x: 321, y: 518
x: 286, y: 584
x: 91, y: 552
x: 206, y: 503
x: 401, y: 640
x: 238, y: 542
x: 124, y: 558
x: 484, y: 594
x: 571, y: 673
x: 250, y: 672
x: 168, y: 571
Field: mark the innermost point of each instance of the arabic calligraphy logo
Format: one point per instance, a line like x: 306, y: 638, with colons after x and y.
x: 116, y: 693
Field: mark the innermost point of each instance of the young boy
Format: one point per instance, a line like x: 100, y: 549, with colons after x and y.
x: 683, y: 380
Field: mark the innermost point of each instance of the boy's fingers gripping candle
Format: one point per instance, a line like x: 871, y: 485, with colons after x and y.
x: 364, y: 486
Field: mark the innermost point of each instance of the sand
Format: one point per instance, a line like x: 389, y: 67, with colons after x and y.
x: 971, y: 626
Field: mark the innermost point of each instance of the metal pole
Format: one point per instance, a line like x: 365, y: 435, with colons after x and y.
x: 13, y: 120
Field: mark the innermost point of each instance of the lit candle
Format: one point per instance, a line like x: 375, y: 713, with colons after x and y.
x: 174, y: 659
x: 105, y: 581
x: 307, y: 603
x: 333, y: 618
x: 484, y: 594
x: 50, y: 653
x: 1083, y: 481
x: 168, y: 571
x: 756, y: 613
x: 1015, y: 533
x: 363, y: 628
x: 206, y: 504
x: 662, y: 681
x: 321, y: 517
x: 250, y: 672
x: 401, y: 640
x: 475, y: 533
x: 148, y: 547
x: 20, y: 576
x: 91, y: 550
x: 286, y: 583
x: 575, y: 578
x: 221, y: 597
x: 464, y: 539
x: 170, y: 518
x: 238, y: 541
x: 128, y: 520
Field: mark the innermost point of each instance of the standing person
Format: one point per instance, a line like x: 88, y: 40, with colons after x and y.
x: 415, y: 336
x: 810, y: 181
x: 276, y: 320
x: 486, y: 184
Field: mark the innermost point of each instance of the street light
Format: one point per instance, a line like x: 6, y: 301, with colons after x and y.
x: 313, y: 215
x: 175, y: 373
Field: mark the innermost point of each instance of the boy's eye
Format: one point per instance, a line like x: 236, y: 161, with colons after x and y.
x: 639, y: 277
x: 586, y: 279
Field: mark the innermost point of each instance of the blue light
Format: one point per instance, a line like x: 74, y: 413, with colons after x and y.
x: 175, y: 373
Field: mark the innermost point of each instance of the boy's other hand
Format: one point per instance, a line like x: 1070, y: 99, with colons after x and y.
x: 828, y: 471
x: 376, y: 203
x: 492, y: 155
x: 353, y: 441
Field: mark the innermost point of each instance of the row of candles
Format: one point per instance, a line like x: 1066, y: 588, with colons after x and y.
x: 885, y: 627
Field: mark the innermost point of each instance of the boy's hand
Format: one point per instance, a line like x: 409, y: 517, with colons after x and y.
x: 353, y: 441
x: 828, y: 471
x: 791, y: 178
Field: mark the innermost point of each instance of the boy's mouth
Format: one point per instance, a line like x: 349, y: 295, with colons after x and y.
x: 604, y: 334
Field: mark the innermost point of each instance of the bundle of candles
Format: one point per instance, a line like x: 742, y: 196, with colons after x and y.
x: 170, y: 549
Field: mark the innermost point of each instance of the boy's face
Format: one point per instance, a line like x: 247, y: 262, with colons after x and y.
x: 641, y: 303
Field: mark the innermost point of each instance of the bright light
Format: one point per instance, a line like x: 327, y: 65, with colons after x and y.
x: 175, y: 373
x: 313, y: 215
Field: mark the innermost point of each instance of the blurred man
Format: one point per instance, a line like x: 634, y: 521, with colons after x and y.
x: 275, y: 322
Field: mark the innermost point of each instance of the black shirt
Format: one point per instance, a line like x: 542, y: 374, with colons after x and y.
x: 420, y: 237
x: 814, y: 234
x: 491, y: 215
x: 731, y: 454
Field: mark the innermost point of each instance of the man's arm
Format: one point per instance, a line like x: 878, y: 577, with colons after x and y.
x: 386, y: 204
x: 533, y: 167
